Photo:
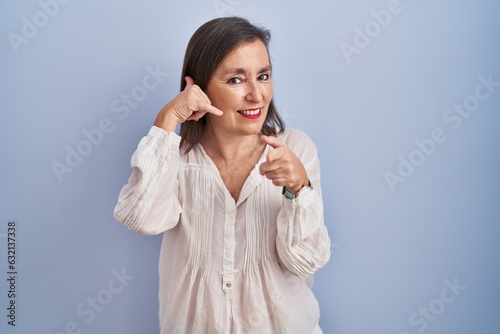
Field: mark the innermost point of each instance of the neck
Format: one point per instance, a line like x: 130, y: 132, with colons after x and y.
x: 227, y: 147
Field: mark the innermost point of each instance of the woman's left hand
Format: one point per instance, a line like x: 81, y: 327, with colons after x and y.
x: 282, y: 166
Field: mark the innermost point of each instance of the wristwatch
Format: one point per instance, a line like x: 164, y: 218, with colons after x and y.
x: 305, y: 189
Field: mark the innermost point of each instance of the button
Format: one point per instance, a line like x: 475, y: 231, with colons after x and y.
x: 228, y: 285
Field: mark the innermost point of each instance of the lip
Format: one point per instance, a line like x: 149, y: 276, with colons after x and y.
x: 257, y: 115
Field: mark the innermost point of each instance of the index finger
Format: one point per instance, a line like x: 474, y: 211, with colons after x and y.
x: 272, y: 141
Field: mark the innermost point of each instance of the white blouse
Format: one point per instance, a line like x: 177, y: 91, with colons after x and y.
x: 227, y: 267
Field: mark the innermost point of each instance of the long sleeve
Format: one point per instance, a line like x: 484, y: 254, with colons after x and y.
x: 149, y: 203
x: 302, y: 239
x: 218, y: 259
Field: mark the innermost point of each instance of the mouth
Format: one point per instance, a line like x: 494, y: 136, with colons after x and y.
x: 251, y: 113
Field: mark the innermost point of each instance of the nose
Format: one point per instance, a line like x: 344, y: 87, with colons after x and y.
x: 253, y: 92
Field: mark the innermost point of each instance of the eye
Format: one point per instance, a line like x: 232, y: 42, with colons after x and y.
x: 234, y: 80
x: 264, y: 76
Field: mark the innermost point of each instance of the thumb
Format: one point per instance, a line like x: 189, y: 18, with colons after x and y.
x: 189, y: 82
x: 272, y: 141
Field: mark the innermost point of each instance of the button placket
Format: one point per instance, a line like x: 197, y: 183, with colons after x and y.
x: 229, y: 245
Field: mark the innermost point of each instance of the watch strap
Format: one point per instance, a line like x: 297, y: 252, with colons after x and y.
x: 290, y: 195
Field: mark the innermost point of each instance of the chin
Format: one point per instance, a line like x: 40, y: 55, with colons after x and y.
x: 251, y: 132
x: 253, y: 129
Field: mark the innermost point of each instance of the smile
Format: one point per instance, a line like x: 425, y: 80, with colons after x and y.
x: 251, y: 113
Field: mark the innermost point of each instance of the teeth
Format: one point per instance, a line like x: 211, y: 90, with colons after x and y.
x: 250, y: 112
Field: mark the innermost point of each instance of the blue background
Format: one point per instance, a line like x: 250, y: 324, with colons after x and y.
x: 395, y: 248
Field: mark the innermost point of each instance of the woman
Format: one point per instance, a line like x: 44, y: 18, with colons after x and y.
x: 236, y: 196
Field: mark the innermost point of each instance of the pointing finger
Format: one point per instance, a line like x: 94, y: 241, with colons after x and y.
x: 275, y: 155
x: 272, y: 141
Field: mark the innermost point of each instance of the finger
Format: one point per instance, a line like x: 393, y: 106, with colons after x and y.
x: 207, y: 106
x: 267, y: 167
x: 280, y: 182
x: 271, y: 141
x: 276, y: 154
x: 276, y: 174
x: 277, y: 180
x: 189, y: 82
x: 277, y: 170
x: 201, y: 110
x: 264, y: 168
x: 195, y: 116
x: 213, y: 110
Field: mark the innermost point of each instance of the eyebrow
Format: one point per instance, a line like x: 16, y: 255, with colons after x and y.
x: 241, y: 70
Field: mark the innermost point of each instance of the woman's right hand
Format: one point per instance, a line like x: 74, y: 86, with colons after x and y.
x: 189, y: 105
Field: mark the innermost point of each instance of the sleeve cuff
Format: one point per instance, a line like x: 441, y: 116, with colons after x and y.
x: 161, y: 135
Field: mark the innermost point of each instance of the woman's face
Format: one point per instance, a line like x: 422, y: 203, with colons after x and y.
x: 242, y: 88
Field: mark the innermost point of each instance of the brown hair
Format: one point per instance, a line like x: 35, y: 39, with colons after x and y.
x: 207, y: 48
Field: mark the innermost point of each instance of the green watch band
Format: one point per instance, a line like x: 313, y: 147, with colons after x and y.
x: 288, y: 194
